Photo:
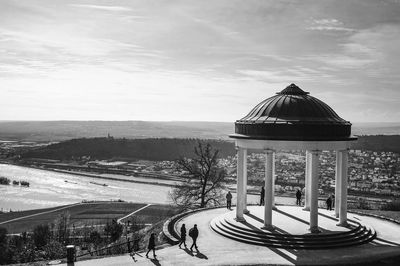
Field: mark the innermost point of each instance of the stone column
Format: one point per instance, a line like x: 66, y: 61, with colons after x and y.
x: 245, y: 181
x: 273, y: 180
x: 314, y: 191
x: 343, y: 188
x: 338, y: 181
x: 307, y: 184
x: 240, y: 185
x: 268, y: 190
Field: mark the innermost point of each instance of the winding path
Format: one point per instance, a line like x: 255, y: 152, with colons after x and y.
x: 132, y: 213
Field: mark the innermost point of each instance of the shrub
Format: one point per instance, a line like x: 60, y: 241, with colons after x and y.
x: 392, y: 206
x: 54, y: 250
x: 136, y: 223
x: 26, y: 254
x: 5, y: 252
x: 41, y: 235
x: 4, y: 180
x: 15, y: 182
x: 363, y: 204
x: 3, y: 235
x: 60, y: 227
x: 114, y: 230
x: 95, y: 237
x: 24, y: 183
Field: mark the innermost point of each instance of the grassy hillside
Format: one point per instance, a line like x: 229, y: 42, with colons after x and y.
x: 98, y: 213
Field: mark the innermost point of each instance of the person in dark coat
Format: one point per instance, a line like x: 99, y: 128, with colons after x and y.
x: 298, y: 197
x: 194, y: 234
x: 262, y: 196
x: 329, y: 203
x: 151, y: 246
x: 183, y: 236
x: 228, y: 200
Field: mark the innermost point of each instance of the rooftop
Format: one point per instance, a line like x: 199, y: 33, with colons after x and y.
x: 292, y: 114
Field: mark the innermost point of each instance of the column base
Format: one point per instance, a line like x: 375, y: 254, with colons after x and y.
x: 343, y: 224
x: 306, y: 209
x: 240, y: 219
x: 315, y: 230
x: 268, y: 227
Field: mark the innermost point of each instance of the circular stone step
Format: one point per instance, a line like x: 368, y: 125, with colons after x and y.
x: 251, y: 232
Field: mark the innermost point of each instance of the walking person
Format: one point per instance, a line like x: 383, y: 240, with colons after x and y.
x: 228, y: 200
x: 298, y: 197
x: 262, y: 196
x: 151, y: 246
x: 333, y: 200
x: 183, y: 236
x: 329, y: 203
x: 194, y: 233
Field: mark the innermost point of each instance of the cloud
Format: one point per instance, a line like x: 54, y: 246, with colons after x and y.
x: 328, y: 25
x: 342, y: 60
x: 101, y: 7
x: 286, y: 75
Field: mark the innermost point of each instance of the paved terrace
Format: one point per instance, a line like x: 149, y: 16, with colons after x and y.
x: 218, y: 250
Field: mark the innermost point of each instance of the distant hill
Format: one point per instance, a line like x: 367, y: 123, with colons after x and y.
x: 168, y: 148
x: 65, y: 130
x: 383, y: 128
x: 378, y: 143
x: 128, y: 149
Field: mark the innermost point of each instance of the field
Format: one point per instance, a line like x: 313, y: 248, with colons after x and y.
x: 12, y: 215
x: 97, y: 213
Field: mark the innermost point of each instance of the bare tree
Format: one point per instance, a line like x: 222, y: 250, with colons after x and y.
x: 60, y: 227
x: 204, y: 179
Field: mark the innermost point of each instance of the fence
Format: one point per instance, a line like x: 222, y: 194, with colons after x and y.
x: 131, y: 245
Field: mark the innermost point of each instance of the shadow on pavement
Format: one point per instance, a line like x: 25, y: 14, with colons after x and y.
x: 198, y: 254
x: 155, y: 262
x: 201, y: 255
x: 255, y: 217
x: 188, y: 251
x: 292, y: 216
x: 328, y: 217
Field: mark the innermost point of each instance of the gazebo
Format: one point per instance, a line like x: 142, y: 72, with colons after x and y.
x: 293, y: 120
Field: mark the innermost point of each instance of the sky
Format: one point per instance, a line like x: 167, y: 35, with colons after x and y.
x: 195, y: 60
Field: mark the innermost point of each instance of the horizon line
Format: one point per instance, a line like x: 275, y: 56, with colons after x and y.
x: 165, y: 121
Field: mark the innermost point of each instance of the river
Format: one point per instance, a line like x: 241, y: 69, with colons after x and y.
x: 49, y: 189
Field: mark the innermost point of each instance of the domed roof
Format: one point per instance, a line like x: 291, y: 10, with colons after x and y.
x: 292, y: 114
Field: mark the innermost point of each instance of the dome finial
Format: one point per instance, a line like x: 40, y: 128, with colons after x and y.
x: 292, y: 89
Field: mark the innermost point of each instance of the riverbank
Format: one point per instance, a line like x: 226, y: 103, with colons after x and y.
x: 115, y: 177
x: 52, y: 188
